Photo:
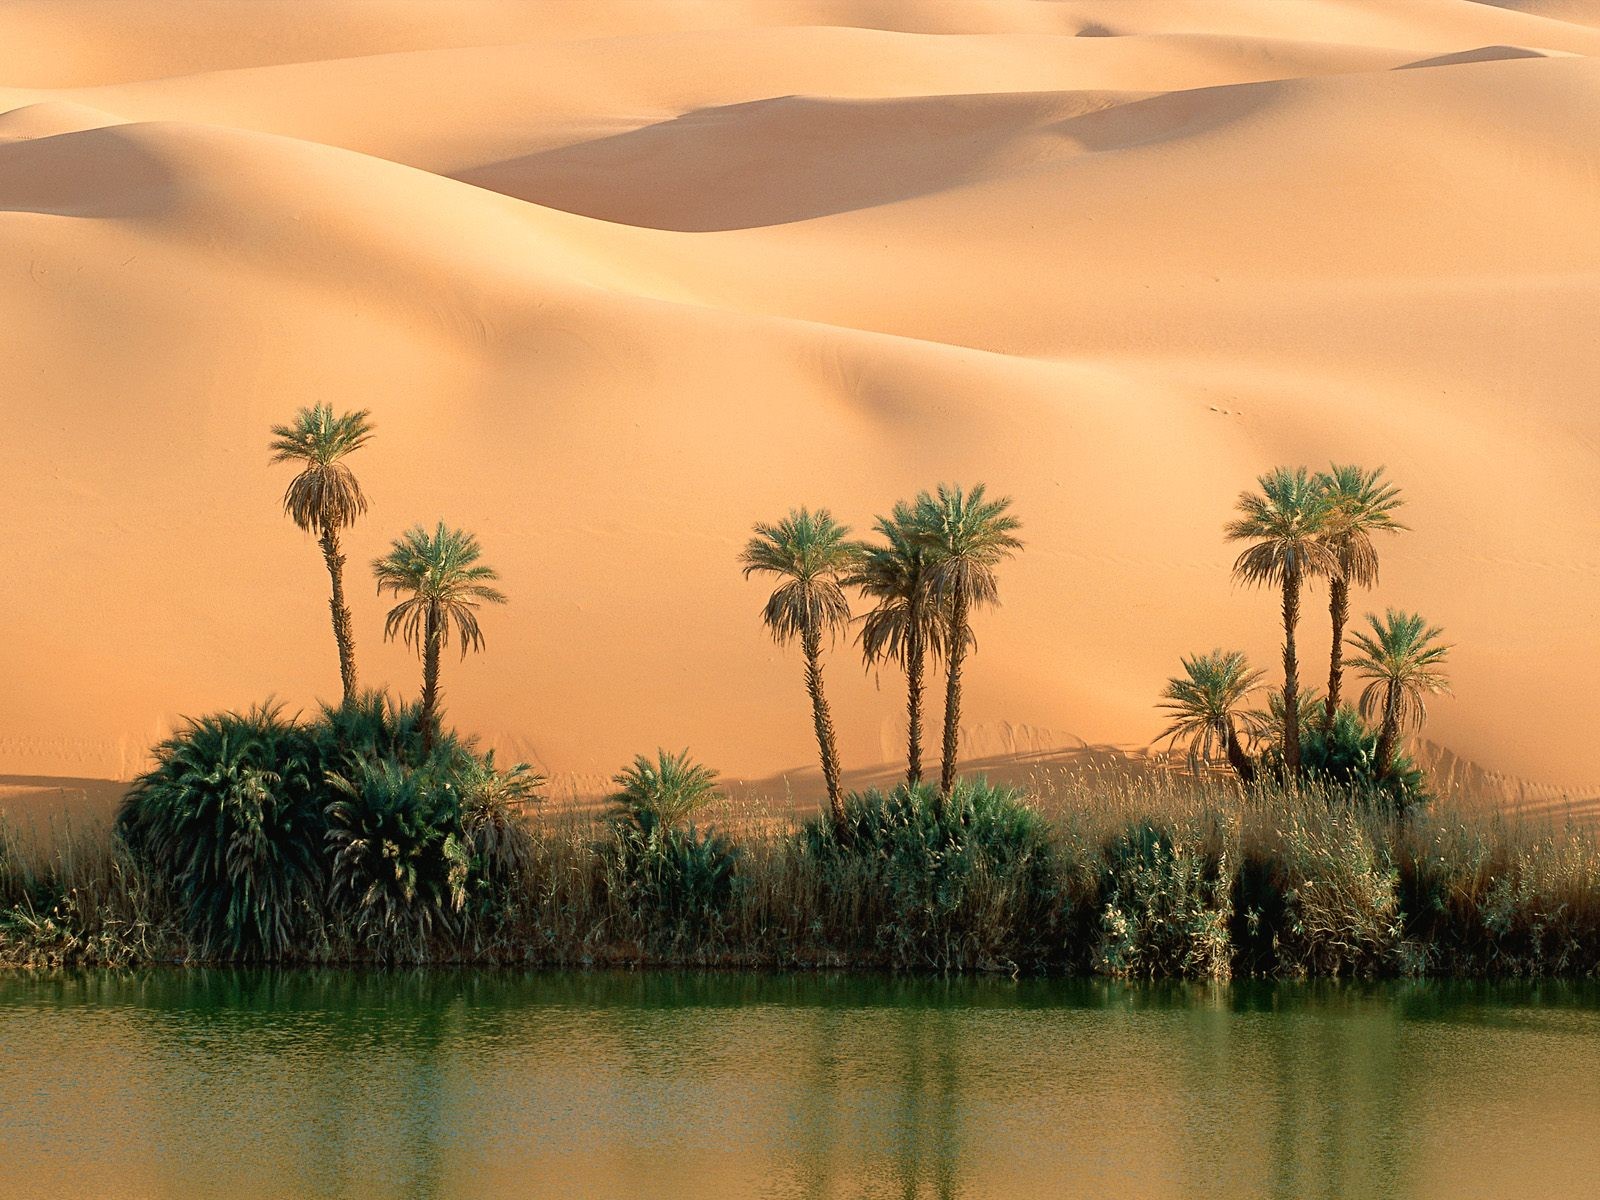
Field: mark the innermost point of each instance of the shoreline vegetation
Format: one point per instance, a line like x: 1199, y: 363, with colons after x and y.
x: 1304, y: 841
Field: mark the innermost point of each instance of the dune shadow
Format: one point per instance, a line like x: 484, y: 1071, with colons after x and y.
x: 766, y: 162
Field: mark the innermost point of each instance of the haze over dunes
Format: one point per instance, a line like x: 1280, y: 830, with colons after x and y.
x: 618, y: 279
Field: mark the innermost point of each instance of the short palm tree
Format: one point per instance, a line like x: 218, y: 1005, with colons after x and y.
x: 965, y: 536
x: 909, y: 624
x: 1206, y: 704
x: 442, y: 583
x: 1285, y: 522
x: 324, y: 498
x: 811, y: 554
x: 1403, y: 659
x: 1363, y: 503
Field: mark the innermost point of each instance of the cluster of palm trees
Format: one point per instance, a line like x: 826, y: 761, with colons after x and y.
x: 933, y: 564
x: 436, y: 577
x: 1300, y: 528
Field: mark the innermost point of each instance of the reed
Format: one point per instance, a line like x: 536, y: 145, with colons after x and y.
x: 1151, y: 874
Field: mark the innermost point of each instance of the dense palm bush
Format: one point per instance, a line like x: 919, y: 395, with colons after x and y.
x: 674, y: 882
x: 1345, y: 758
x: 1167, y: 904
x: 970, y: 883
x: 399, y: 862
x: 231, y: 817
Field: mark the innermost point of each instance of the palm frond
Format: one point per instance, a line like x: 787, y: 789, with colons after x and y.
x: 439, y: 575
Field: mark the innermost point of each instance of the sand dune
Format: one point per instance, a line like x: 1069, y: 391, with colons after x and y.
x: 619, y: 279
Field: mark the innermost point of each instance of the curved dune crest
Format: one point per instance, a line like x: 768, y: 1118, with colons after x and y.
x: 609, y: 316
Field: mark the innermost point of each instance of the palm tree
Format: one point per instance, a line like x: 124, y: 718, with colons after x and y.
x: 325, y: 498
x: 909, y: 623
x: 812, y: 554
x: 443, y: 583
x: 1363, y: 502
x: 1285, y: 521
x: 965, y: 537
x: 1206, y: 706
x: 1403, y: 660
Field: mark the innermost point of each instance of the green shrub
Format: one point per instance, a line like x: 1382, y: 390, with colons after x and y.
x: 676, y: 884
x: 972, y: 883
x: 666, y: 791
x: 231, y: 819
x: 400, y: 864
x: 1345, y: 760
x: 1167, y: 906
x: 375, y: 727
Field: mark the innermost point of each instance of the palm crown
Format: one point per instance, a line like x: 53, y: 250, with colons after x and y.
x: 812, y: 554
x: 325, y: 494
x: 895, y: 573
x: 1403, y: 660
x: 965, y: 536
x: 1360, y: 503
x: 1286, y: 521
x: 440, y: 576
x: 1206, y: 702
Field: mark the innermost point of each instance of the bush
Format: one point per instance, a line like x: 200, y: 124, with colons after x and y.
x: 675, y: 883
x: 971, y: 883
x: 1345, y: 759
x: 1168, y: 905
x: 400, y: 864
x: 1341, y: 899
x: 231, y: 818
x: 666, y: 791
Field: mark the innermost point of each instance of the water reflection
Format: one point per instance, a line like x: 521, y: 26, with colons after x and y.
x: 453, y: 1084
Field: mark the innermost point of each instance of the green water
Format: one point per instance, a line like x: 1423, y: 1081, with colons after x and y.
x: 241, y: 1085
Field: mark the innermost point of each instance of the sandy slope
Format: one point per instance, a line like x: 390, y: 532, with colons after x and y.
x: 619, y: 279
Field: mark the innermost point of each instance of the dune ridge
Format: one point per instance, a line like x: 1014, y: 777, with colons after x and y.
x: 617, y: 286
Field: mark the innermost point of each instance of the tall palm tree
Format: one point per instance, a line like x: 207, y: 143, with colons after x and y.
x: 442, y: 583
x: 812, y: 555
x: 966, y: 536
x: 909, y: 624
x: 1363, y: 503
x: 324, y: 498
x: 1206, y: 704
x: 1403, y: 660
x: 1285, y: 521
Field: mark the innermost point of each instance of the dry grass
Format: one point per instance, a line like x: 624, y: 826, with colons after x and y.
x: 1150, y: 874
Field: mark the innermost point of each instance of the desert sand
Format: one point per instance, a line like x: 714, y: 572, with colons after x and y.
x: 617, y: 279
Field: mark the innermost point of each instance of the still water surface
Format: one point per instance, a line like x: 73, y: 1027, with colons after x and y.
x: 454, y: 1084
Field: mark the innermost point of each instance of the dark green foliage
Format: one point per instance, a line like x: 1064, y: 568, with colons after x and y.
x: 1259, y: 912
x: 677, y: 883
x: 972, y: 883
x: 374, y: 727
x: 280, y: 840
x: 1345, y: 758
x: 399, y: 863
x: 232, y: 818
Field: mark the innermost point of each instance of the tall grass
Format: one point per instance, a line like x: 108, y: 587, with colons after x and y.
x: 1134, y: 875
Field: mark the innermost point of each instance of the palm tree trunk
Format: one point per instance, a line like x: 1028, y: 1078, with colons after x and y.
x: 1291, y: 673
x: 822, y: 718
x: 916, y: 654
x: 1389, y: 734
x: 1242, y: 766
x: 1339, y: 610
x: 342, y: 633
x: 430, y: 682
x: 952, y: 695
